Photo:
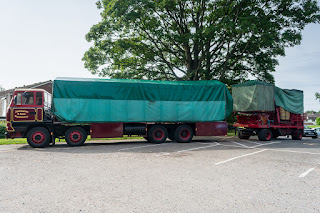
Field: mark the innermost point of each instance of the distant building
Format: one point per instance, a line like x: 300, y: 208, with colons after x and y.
x: 311, y: 118
x: 6, y: 95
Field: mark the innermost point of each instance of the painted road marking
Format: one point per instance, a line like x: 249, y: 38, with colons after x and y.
x: 137, y: 147
x: 253, y: 142
x: 306, y: 173
x: 300, y: 152
x: 187, y: 150
x: 310, y: 144
x: 240, y: 144
x: 231, y: 146
x: 241, y: 156
x: 265, y: 144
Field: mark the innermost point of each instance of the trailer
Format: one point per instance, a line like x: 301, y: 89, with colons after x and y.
x: 267, y: 111
x: 108, y: 108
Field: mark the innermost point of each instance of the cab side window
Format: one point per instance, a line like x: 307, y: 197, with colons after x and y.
x: 39, y: 98
x: 27, y: 98
x: 18, y: 99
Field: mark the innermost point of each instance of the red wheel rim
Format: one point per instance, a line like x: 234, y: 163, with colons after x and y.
x: 75, y: 136
x: 158, y: 134
x: 184, y: 134
x: 268, y: 135
x: 38, y: 137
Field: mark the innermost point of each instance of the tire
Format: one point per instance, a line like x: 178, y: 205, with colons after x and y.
x: 75, y: 136
x: 265, y: 135
x: 38, y: 137
x: 315, y: 137
x: 183, y: 134
x: 157, y: 134
x: 297, y: 135
x: 241, y: 135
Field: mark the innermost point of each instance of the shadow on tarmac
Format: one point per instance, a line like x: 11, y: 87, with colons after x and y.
x: 142, y: 146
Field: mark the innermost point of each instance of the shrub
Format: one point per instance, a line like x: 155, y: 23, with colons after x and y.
x: 2, y: 130
x: 318, y: 121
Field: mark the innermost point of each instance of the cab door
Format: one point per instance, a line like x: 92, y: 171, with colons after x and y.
x: 25, y: 107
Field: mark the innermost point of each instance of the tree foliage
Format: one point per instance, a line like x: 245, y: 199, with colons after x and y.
x: 318, y: 121
x: 227, y: 40
x: 317, y: 96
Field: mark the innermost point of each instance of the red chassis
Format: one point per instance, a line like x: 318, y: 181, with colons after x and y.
x: 269, y: 125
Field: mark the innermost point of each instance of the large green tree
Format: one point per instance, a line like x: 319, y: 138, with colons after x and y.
x: 317, y: 96
x: 227, y: 40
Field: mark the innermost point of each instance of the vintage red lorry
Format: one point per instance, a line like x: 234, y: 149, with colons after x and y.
x: 267, y: 111
x: 106, y: 108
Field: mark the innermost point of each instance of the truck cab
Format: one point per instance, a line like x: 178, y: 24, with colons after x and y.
x: 28, y: 108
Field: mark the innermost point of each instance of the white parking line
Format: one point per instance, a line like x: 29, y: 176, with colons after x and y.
x: 253, y: 142
x: 231, y: 146
x: 137, y: 147
x: 265, y: 144
x: 240, y: 144
x: 306, y: 173
x: 187, y: 150
x: 311, y: 153
x: 241, y: 156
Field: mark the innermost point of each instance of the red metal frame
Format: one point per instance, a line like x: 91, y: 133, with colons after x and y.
x: 265, y: 120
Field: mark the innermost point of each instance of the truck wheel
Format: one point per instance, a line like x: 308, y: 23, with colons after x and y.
x: 75, y: 136
x: 296, y: 135
x: 38, y: 137
x: 183, y: 134
x: 241, y: 135
x: 265, y: 135
x: 157, y: 134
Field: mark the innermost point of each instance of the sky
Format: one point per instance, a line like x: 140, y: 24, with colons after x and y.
x: 41, y: 40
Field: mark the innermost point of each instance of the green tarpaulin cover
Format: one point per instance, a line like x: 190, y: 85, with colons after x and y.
x: 83, y: 100
x: 261, y: 96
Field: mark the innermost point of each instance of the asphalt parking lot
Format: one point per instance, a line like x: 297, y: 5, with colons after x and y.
x: 218, y: 174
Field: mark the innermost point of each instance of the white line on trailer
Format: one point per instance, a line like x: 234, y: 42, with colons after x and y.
x: 306, y: 173
x: 187, y: 150
x: 241, y: 156
x: 240, y: 144
x: 137, y: 147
